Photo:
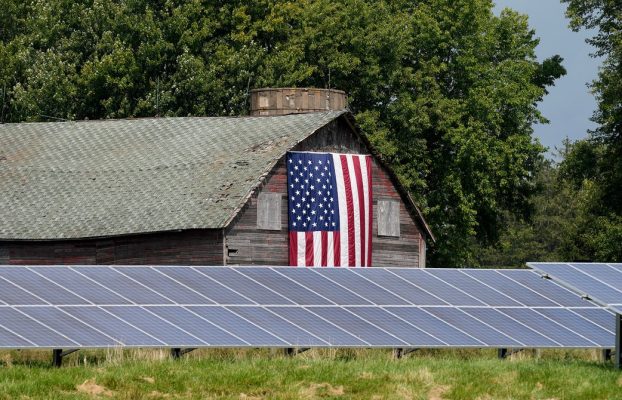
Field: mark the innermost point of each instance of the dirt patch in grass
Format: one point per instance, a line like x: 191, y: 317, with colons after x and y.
x: 437, y: 392
x: 154, y: 394
x: 315, y: 390
x: 366, y: 375
x: 620, y: 381
x: 244, y: 396
x: 91, y: 388
x: 148, y: 379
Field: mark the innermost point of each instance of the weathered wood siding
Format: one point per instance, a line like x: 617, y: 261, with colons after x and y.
x: 198, y: 247
x: 247, y: 245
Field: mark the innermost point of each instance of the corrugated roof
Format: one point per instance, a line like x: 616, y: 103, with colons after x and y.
x: 65, y: 180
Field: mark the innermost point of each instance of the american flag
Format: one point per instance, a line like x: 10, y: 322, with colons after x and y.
x: 330, y: 209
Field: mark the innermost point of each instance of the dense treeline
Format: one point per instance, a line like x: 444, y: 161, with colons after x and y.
x: 447, y: 90
x: 578, y: 211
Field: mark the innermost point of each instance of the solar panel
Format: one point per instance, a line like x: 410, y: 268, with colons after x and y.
x: 600, y: 282
x: 142, y: 306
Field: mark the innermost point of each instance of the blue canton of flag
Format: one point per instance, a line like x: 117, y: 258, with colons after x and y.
x: 312, y: 192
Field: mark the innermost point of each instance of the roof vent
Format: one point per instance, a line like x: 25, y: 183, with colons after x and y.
x: 281, y: 101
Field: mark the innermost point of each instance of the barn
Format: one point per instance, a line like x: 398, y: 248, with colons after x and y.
x: 185, y: 190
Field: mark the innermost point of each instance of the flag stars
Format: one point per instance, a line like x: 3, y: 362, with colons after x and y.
x: 311, y: 193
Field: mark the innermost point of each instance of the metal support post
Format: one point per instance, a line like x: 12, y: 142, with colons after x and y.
x: 618, y: 355
x: 58, y: 354
x: 57, y: 357
x: 401, y: 352
x: 178, y: 352
x: 502, y: 353
x: 291, y: 351
x: 397, y: 352
x: 606, y: 355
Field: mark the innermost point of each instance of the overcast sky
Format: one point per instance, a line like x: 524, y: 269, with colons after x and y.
x: 569, y: 104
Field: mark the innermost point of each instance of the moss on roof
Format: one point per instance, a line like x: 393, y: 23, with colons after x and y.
x: 68, y: 180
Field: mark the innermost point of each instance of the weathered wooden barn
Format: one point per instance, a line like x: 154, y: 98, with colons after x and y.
x: 191, y: 191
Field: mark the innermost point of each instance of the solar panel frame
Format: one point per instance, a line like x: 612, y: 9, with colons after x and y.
x: 583, y: 282
x: 287, y: 323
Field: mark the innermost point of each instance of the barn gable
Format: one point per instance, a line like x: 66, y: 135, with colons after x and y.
x: 247, y: 242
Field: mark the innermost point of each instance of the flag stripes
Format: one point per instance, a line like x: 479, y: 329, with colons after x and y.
x: 330, y: 209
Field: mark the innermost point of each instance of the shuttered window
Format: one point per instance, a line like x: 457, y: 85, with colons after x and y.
x: 269, y: 211
x: 389, y: 218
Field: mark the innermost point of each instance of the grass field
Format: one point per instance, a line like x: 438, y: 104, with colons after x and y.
x: 337, y: 374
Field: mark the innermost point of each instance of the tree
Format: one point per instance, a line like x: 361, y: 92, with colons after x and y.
x: 444, y: 88
x: 606, y: 18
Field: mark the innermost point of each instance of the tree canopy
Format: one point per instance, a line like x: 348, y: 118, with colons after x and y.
x: 445, y: 89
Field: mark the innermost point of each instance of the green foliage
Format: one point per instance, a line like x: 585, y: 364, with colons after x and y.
x: 593, y: 167
x: 549, y: 234
x: 606, y: 18
x: 444, y: 88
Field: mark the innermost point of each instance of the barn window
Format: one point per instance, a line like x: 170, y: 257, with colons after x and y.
x: 269, y: 211
x: 388, y: 218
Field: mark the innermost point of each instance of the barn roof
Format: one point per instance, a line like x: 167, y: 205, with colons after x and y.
x: 64, y: 180
x: 87, y: 179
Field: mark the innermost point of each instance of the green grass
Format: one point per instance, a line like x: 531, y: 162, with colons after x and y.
x: 338, y: 374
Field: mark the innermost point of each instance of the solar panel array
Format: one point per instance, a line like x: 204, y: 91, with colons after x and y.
x: 600, y: 282
x: 166, y: 306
